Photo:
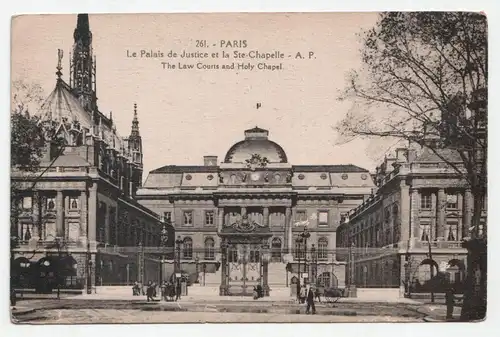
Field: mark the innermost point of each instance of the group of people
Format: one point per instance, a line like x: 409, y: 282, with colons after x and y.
x: 168, y: 291
x: 308, y: 293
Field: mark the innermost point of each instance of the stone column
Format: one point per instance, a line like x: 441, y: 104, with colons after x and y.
x: 83, y: 214
x: 404, y: 213
x: 288, y: 230
x: 92, y: 209
x: 106, y: 225
x: 60, y: 214
x: 432, y: 235
x: 441, y: 213
x: 220, y: 223
x: 265, y: 212
x: 460, y: 203
x: 467, y: 212
x: 414, y: 220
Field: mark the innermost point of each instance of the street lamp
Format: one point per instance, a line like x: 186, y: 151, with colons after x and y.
x: 197, y: 261
x: 407, y: 266
x: 204, y: 272
x: 305, y: 235
x: 314, y: 264
x: 163, y: 244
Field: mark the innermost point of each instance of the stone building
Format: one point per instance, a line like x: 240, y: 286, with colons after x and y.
x: 238, y: 220
x: 83, y: 200
x: 413, y: 223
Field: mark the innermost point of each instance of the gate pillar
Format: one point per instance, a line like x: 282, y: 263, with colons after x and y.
x: 223, y: 289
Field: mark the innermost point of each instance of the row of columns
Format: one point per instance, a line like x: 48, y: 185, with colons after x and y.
x: 438, y: 209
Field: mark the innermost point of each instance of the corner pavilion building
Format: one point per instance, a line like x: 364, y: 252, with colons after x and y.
x: 237, y: 222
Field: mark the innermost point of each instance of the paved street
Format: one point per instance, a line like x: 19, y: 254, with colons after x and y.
x: 101, y: 316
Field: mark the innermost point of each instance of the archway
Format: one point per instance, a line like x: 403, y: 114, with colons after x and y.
x: 425, y: 276
x: 276, y: 250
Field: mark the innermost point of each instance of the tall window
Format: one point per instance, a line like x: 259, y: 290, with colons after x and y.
x: 323, y: 218
x: 167, y: 217
x: 209, y: 249
x: 73, y: 203
x: 276, y: 249
x: 426, y: 200
x: 26, y: 203
x: 50, y: 204
x: 451, y: 231
x: 324, y: 280
x: 187, y: 248
x: 188, y: 218
x: 232, y: 253
x: 452, y: 201
x: 322, y: 249
x: 209, y: 218
x: 425, y: 231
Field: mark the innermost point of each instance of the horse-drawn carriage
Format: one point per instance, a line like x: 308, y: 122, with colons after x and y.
x: 333, y: 295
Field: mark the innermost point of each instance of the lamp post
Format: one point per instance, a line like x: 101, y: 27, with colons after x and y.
x: 299, y: 245
x: 351, y: 288
x: 197, y: 261
x: 314, y: 264
x: 204, y: 272
x: 177, y: 268
x: 305, y: 235
x: 431, y: 268
x: 407, y: 266
x: 163, y: 244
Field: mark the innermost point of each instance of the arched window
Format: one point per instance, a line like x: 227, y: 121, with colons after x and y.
x: 276, y: 249
x: 324, y: 280
x: 187, y: 248
x: 322, y: 249
x: 209, y: 249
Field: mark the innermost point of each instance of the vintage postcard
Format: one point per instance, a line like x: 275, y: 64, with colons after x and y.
x: 248, y: 167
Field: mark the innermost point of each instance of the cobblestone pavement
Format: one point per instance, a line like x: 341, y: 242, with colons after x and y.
x: 100, y: 316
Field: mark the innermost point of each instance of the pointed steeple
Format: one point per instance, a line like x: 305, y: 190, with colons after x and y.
x: 82, y: 31
x: 135, y: 123
x: 83, y: 66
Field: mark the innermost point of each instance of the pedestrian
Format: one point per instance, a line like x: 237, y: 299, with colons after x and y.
x: 303, y: 293
x: 259, y: 291
x: 255, y: 293
x: 450, y: 302
x: 177, y: 291
x: 149, y: 291
x: 310, y: 301
x: 317, y: 294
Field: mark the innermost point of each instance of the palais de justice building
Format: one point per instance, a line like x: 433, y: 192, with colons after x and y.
x: 239, y: 219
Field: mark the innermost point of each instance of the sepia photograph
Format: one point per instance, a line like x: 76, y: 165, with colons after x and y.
x: 248, y: 168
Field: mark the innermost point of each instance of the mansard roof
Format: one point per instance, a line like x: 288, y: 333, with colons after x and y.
x: 328, y: 168
x: 185, y: 169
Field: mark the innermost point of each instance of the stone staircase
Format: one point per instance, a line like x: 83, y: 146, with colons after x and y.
x: 276, y: 275
x: 211, y: 279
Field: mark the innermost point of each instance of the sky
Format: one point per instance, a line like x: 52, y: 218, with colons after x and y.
x: 186, y: 114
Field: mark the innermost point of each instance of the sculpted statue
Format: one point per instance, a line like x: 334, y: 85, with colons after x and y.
x: 221, y: 178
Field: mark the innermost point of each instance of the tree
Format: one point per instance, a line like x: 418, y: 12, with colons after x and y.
x: 30, y: 140
x: 424, y: 80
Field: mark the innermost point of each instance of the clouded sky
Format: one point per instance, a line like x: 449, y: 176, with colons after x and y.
x: 186, y: 114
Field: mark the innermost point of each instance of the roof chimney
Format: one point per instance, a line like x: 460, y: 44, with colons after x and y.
x: 210, y: 160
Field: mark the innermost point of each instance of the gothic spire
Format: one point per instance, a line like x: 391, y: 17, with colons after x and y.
x: 135, y: 123
x: 82, y: 31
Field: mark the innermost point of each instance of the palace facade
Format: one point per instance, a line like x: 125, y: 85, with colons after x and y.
x: 83, y: 199
x: 238, y: 220
x: 409, y: 233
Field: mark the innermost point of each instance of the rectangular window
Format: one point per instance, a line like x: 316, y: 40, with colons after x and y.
x: 209, y: 218
x: 27, y: 203
x: 425, y: 230
x: 50, y: 204
x: 451, y: 231
x: 426, y: 200
x: 323, y: 218
x: 452, y: 201
x: 188, y: 218
x: 74, y: 203
x: 167, y: 217
x: 301, y: 216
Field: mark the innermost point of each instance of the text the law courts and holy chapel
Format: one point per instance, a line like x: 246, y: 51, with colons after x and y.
x: 248, y: 167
